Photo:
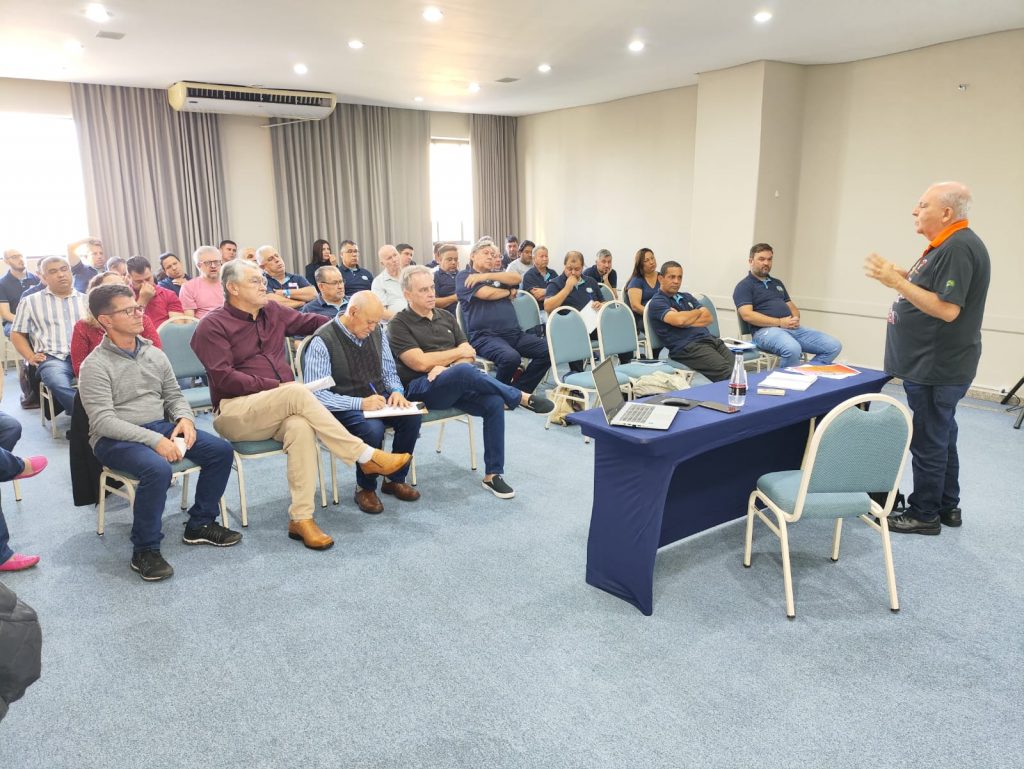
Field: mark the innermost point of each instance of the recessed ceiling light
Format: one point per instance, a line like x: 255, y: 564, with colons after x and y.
x: 432, y: 13
x: 636, y: 46
x: 544, y: 68
x: 300, y: 69
x: 417, y: 98
x: 762, y: 17
x: 474, y: 87
x: 73, y: 46
x: 355, y: 45
x: 96, y: 12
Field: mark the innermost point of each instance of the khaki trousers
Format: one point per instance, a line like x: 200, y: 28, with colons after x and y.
x: 292, y: 415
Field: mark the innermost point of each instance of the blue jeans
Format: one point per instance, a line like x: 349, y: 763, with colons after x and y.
x: 10, y: 466
x: 790, y: 343
x: 407, y: 430
x: 933, y: 454
x: 211, y: 453
x: 57, y: 375
x: 468, y: 388
x: 506, y: 352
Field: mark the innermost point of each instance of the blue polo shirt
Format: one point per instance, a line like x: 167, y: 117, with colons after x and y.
x: 675, y: 337
x: 170, y: 285
x: 290, y: 281
x: 533, y: 278
x: 768, y: 296
x: 592, y: 273
x: 320, y: 307
x: 582, y: 294
x: 495, y: 317
x: 356, y: 280
x: 444, y: 285
x: 11, y: 288
x: 81, y: 274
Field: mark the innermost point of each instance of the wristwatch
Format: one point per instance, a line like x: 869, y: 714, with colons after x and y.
x: 496, y: 283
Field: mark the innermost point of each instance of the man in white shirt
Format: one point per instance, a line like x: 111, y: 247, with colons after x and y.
x: 386, y: 285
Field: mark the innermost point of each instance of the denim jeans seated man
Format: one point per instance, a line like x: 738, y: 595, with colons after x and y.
x: 135, y: 412
x: 42, y: 328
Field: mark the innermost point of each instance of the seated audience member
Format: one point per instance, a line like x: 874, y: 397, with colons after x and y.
x: 228, y: 250
x: 434, y: 362
x: 642, y: 285
x: 11, y: 468
x: 601, y: 271
x: 486, y: 300
x: 444, y: 278
x: 432, y: 264
x: 161, y: 304
x: 255, y: 396
x: 354, y: 350
x: 42, y: 328
x: 406, y: 252
x: 386, y: 285
x: 283, y: 287
x: 203, y: 293
x: 537, y: 278
x: 681, y: 323
x: 118, y: 266
x: 524, y: 262
x: 511, y: 251
x: 763, y: 302
x: 332, y: 299
x: 84, y: 271
x: 172, y: 273
x: 321, y: 257
x: 13, y: 285
x: 572, y: 289
x: 248, y: 254
x: 135, y: 411
x: 88, y: 333
x: 356, y: 278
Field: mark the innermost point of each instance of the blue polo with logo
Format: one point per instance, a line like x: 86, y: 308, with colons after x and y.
x: 290, y: 281
x: 675, y: 337
x: 491, y: 317
x: 356, y: 279
x: 768, y: 296
x: 613, y: 278
x: 444, y: 285
x: 582, y: 294
x: 533, y: 278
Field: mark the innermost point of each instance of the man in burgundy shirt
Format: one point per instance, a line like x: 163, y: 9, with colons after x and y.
x: 160, y: 304
x: 255, y: 397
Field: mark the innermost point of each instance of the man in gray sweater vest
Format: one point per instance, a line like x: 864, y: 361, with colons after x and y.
x: 135, y: 412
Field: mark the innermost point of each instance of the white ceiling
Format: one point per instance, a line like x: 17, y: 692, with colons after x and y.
x: 254, y: 42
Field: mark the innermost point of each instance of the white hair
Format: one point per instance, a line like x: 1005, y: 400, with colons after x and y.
x: 199, y: 252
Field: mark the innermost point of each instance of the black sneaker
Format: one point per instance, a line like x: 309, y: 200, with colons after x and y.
x: 905, y: 524
x: 539, y: 404
x: 211, y: 534
x: 151, y: 566
x: 951, y: 517
x: 499, y: 488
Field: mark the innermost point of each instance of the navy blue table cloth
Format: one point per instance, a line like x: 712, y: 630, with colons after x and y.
x: 652, y: 487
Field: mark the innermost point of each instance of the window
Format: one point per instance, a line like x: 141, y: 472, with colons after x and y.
x: 451, y: 191
x: 42, y: 197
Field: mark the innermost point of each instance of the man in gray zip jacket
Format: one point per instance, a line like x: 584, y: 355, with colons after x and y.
x: 135, y: 411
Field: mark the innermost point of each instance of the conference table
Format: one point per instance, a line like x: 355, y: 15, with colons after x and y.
x: 655, y: 487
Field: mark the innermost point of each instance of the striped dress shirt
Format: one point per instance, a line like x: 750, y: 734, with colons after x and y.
x: 318, y: 365
x: 49, y: 320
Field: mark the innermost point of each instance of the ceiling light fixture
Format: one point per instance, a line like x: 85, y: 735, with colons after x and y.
x: 417, y: 98
x: 96, y: 12
x: 300, y: 69
x: 636, y: 46
x: 762, y: 17
x: 355, y: 45
x: 544, y: 68
x: 432, y: 13
x: 474, y: 87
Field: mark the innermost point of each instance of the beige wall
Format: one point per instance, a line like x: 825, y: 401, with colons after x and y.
x: 249, y: 183
x: 616, y: 176
x: 35, y: 96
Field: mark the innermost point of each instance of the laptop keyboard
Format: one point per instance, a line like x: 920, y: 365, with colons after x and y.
x: 636, y: 412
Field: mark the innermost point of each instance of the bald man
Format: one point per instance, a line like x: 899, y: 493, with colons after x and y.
x: 354, y: 349
x: 933, y: 343
x: 386, y: 285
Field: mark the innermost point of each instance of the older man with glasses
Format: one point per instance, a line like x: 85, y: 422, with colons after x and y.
x: 332, y: 299
x: 203, y: 294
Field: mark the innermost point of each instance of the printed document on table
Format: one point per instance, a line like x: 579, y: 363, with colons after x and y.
x: 589, y: 315
x: 786, y: 381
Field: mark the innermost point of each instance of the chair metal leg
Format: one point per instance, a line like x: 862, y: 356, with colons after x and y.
x: 17, y: 490
x: 184, y: 491
x: 223, y: 513
x: 440, y: 437
x: 412, y: 470
x: 472, y: 443
x: 787, y: 575
x: 890, y: 570
x: 241, y: 489
x: 320, y: 478
x: 334, y: 478
x: 748, y: 540
x: 837, y: 534
x: 101, y: 508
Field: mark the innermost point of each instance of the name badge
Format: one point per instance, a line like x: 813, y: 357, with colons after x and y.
x: 363, y: 277
x: 590, y: 290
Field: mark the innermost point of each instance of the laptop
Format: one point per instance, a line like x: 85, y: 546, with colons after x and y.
x: 618, y: 412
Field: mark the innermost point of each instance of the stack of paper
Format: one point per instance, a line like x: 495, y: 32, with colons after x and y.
x: 830, y: 371
x: 785, y: 381
x: 738, y: 344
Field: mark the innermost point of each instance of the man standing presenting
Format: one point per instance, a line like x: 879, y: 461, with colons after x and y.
x: 356, y: 278
x: 354, y: 350
x: 763, y: 302
x: 933, y: 343
x: 135, y: 411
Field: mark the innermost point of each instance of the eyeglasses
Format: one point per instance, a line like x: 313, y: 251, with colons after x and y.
x: 331, y: 282
x: 211, y: 263
x: 128, y: 312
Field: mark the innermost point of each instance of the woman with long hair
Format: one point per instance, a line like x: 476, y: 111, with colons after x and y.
x: 321, y: 255
x: 643, y: 284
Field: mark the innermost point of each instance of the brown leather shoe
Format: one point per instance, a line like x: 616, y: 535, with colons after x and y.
x: 368, y: 501
x: 383, y: 463
x: 403, y: 491
x: 310, y: 534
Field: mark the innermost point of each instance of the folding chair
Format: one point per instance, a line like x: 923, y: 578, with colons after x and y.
x: 616, y: 334
x: 176, y: 338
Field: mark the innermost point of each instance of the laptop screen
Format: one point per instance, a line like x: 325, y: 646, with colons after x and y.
x: 608, y: 391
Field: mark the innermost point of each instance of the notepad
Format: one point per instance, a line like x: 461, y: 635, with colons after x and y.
x: 784, y: 381
x: 414, y: 407
x: 319, y: 384
x: 829, y: 371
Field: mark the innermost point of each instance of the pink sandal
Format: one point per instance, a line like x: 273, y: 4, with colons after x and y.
x: 19, y: 562
x: 37, y: 465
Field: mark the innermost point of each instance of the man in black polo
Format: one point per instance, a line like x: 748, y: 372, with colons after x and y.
x: 933, y: 343
x: 13, y: 285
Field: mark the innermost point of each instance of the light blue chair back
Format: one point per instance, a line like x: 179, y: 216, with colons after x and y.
x: 713, y: 329
x: 616, y: 329
x: 745, y: 329
x: 568, y: 339
x: 652, y: 340
x: 608, y: 296
x: 175, y: 339
x: 527, y: 311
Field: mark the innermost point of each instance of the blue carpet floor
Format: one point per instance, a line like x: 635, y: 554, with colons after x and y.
x: 457, y: 631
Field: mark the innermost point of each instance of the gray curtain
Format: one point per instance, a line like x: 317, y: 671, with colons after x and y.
x: 361, y: 174
x: 153, y: 176
x: 492, y: 140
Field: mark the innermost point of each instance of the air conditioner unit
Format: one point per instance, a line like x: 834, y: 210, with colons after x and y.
x: 241, y: 100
